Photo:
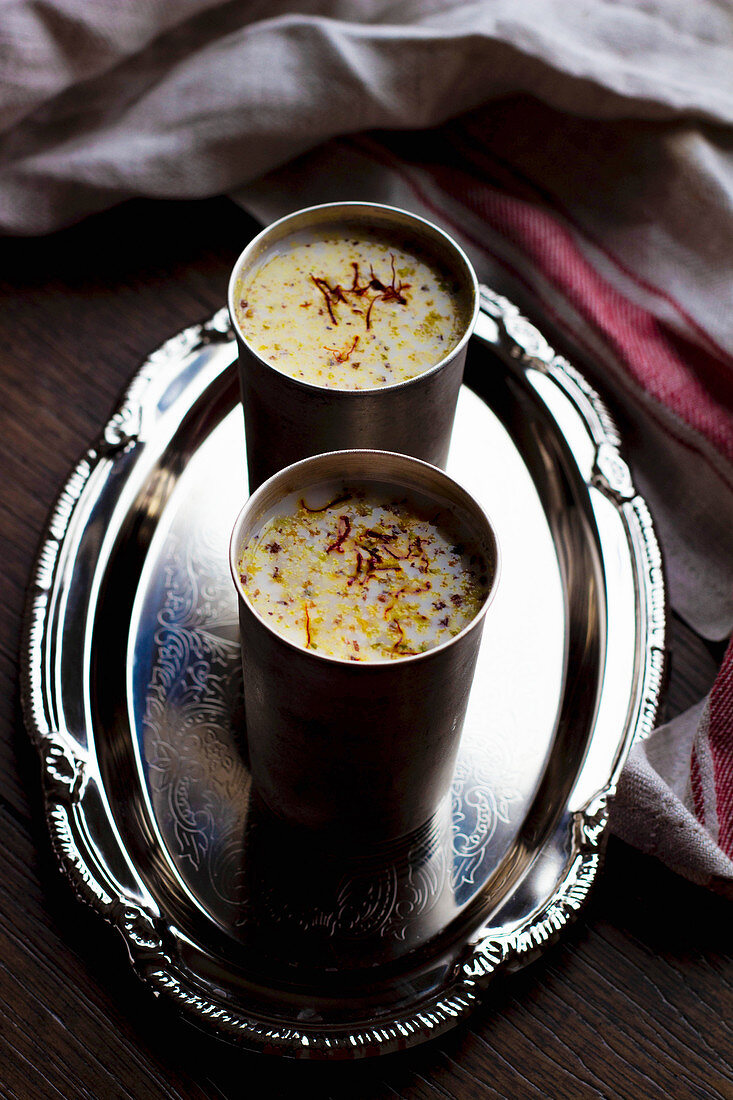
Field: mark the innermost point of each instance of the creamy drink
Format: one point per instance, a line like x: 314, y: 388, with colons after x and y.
x: 363, y: 572
x: 347, y: 307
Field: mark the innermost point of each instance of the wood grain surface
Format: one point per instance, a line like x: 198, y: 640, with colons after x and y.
x: 635, y: 1001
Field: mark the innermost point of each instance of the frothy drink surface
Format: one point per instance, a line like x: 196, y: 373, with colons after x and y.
x: 362, y: 573
x: 350, y: 309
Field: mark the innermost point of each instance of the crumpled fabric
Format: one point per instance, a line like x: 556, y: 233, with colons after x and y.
x: 172, y: 98
x: 581, y: 153
x: 655, y: 804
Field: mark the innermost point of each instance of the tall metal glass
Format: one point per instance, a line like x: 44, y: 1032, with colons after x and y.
x: 356, y: 750
x: 287, y: 419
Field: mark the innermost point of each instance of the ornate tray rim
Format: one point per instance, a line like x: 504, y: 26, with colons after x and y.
x: 63, y: 768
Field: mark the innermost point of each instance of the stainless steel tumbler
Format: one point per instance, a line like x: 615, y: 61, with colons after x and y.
x: 287, y: 419
x: 358, y: 751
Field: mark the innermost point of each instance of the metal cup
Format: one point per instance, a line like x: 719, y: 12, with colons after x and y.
x: 287, y: 419
x: 357, y: 751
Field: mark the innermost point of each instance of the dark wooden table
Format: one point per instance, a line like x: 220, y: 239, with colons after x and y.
x: 634, y: 1002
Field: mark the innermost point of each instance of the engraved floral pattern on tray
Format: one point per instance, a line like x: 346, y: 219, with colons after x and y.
x: 198, y: 781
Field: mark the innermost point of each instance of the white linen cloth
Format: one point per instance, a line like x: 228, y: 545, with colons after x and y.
x: 590, y: 181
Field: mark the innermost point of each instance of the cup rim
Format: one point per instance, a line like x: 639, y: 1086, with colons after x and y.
x: 470, y: 502
x: 345, y: 206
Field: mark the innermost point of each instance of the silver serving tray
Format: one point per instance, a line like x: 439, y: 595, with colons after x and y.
x: 132, y: 694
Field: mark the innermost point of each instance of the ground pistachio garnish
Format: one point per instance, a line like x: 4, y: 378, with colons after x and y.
x: 350, y: 309
x: 363, y: 575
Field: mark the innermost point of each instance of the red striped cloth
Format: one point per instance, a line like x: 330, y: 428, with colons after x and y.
x: 711, y: 765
